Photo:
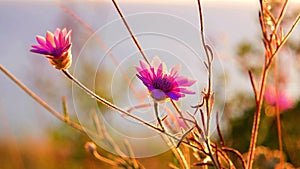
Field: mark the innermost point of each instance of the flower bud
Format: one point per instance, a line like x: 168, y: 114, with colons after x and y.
x: 56, y: 47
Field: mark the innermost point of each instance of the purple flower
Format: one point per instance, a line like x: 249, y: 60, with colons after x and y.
x: 56, y: 47
x: 163, y: 85
x: 284, y: 102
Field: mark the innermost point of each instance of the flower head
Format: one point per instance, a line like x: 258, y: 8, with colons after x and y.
x: 56, y: 47
x: 163, y: 85
x: 284, y: 102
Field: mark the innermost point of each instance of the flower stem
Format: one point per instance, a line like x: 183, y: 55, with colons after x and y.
x: 103, y: 45
x: 42, y: 102
x: 211, y: 155
x: 277, y: 111
x: 256, y: 121
x: 208, y: 92
x: 105, y: 102
x: 269, y: 58
x: 130, y: 32
x: 118, y: 109
x: 157, y: 116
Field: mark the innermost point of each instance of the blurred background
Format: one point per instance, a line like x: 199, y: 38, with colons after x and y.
x: 31, y: 137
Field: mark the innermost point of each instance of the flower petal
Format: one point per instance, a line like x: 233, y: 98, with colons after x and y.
x: 186, y: 91
x: 159, y: 70
x: 144, y: 65
x: 50, y: 40
x: 41, y: 40
x: 156, y: 62
x: 184, y: 81
x: 175, y: 70
x: 174, y: 95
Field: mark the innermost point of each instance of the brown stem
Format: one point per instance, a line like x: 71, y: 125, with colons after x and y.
x: 253, y: 85
x: 157, y: 116
x: 42, y: 102
x: 208, y: 52
x: 278, y: 121
x: 130, y: 32
x: 179, y: 112
x: 286, y: 37
x: 105, y: 102
x: 280, y: 17
x: 120, y: 110
x: 207, y: 96
x: 256, y: 121
x: 104, y: 46
x: 269, y: 57
x: 239, y: 155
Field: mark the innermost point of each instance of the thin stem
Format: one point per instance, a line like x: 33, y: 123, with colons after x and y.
x: 253, y: 84
x: 180, y: 113
x: 120, y: 110
x: 130, y: 31
x: 104, y: 46
x: 184, y: 136
x: 208, y: 103
x: 278, y: 121
x: 103, y: 159
x: 269, y: 58
x: 203, y: 121
x: 176, y: 152
x: 208, y: 52
x: 222, y: 141
x: 105, y: 102
x: 131, y: 154
x: 157, y: 116
x: 286, y: 37
x: 181, y: 155
x: 280, y: 17
x: 42, y: 102
x: 240, y: 156
x: 138, y: 107
x: 211, y: 155
x: 65, y: 108
x: 257, y: 118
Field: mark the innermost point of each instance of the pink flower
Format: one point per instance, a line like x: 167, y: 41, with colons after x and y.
x: 163, y: 85
x: 284, y: 102
x: 56, y: 47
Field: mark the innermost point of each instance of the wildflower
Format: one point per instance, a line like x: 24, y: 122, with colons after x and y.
x: 162, y: 85
x: 56, y: 47
x: 284, y: 102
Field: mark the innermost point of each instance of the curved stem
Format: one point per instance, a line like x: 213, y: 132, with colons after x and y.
x: 208, y: 52
x: 238, y: 154
x: 120, y: 110
x: 157, y: 116
x: 105, y: 102
x: 103, y: 159
x: 208, y: 93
